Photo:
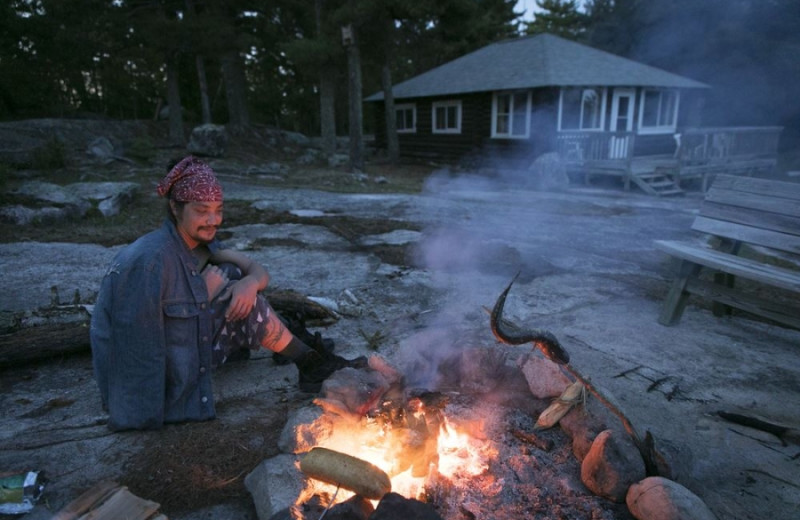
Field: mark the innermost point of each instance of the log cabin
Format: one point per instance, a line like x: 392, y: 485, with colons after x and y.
x: 509, y: 102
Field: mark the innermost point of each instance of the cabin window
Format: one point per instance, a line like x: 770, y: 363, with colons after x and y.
x: 511, y: 115
x: 406, y: 116
x: 582, y: 108
x: 447, y: 117
x: 659, y: 111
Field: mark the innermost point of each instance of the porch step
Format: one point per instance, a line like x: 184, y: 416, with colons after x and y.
x: 658, y: 184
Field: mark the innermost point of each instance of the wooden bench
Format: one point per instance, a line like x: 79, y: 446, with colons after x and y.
x: 752, y: 228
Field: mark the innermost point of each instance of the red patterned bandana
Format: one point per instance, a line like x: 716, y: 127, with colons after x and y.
x: 191, y: 180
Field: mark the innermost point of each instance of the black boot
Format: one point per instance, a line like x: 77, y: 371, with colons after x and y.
x: 315, y: 367
x: 297, y: 326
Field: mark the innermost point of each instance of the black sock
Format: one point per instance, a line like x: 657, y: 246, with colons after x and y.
x: 295, y: 349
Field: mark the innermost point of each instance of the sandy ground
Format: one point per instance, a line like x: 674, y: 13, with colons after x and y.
x: 589, y: 274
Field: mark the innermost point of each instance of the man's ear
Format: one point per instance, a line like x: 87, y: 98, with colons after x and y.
x: 173, y: 208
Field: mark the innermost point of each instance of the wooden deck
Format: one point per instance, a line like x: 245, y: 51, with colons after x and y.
x: 700, y: 154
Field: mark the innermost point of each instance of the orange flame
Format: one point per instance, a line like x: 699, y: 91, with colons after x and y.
x: 407, y: 459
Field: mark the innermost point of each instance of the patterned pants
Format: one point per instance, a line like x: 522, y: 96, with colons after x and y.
x: 261, y: 328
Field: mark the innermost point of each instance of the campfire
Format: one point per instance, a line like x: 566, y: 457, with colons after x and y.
x: 479, y: 445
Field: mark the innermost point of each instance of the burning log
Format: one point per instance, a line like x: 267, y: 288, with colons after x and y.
x: 346, y: 471
x: 549, y: 345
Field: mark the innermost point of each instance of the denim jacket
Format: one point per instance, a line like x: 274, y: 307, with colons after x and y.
x: 151, y: 334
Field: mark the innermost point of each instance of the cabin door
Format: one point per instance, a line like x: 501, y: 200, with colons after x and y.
x: 621, y: 122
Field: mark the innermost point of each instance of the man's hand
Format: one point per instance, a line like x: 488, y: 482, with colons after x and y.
x: 243, y: 297
x: 215, y: 279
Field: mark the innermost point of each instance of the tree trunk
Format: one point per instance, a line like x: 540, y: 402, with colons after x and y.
x: 205, y: 104
x: 327, y: 108
x: 356, y: 117
x: 200, y: 64
x: 392, y: 141
x: 235, y: 89
x: 327, y: 96
x: 176, y: 135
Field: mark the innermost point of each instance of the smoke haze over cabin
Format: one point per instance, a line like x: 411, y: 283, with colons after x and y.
x: 746, y: 50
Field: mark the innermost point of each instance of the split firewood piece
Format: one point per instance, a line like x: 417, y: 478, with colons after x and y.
x: 571, y: 396
x: 346, y: 471
x: 108, y: 500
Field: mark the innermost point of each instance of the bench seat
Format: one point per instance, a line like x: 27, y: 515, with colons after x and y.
x: 738, y: 212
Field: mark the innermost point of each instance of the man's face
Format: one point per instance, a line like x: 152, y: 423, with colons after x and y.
x: 198, y: 221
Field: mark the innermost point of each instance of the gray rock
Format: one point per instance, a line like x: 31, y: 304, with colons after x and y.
x: 583, y: 427
x: 69, y: 202
x: 101, y: 148
x: 657, y: 498
x: 549, y: 172
x: 275, y: 485
x: 109, y: 197
x: 23, y: 215
x: 612, y: 465
x: 304, y: 429
x: 208, y: 140
x: 296, y: 138
x: 545, y: 378
x: 48, y: 192
x: 308, y: 157
x: 338, y: 160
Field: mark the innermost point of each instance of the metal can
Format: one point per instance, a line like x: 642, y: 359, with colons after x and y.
x: 19, y: 492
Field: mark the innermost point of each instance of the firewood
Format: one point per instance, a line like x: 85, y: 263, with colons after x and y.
x: 571, y: 396
x: 532, y: 438
x: 43, y: 342
x: 108, y: 500
x: 346, y: 471
x: 94, y: 495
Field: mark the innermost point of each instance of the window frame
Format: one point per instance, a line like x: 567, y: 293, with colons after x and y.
x: 446, y: 104
x: 659, y: 128
x: 603, y: 103
x: 404, y: 107
x: 511, y: 115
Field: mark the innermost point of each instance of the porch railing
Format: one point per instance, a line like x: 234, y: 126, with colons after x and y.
x: 580, y: 147
x: 727, y: 144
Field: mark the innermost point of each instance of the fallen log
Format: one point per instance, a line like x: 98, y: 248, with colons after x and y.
x: 63, y: 330
x: 58, y: 332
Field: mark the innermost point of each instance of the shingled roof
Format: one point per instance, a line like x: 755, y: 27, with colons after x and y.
x: 543, y: 60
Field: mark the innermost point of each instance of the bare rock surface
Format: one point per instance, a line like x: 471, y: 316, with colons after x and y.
x: 589, y: 274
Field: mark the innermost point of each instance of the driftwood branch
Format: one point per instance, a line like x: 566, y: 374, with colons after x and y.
x: 549, y: 345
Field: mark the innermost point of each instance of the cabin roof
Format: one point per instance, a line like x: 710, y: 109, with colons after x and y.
x: 542, y: 60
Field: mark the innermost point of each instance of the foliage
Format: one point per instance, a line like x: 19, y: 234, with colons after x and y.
x: 51, y: 156
x: 69, y: 58
x: 141, y: 148
x: 559, y: 17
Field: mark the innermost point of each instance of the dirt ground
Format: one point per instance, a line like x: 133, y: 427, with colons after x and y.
x: 412, y: 263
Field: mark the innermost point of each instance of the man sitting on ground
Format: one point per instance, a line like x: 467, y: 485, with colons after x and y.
x: 174, y: 304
